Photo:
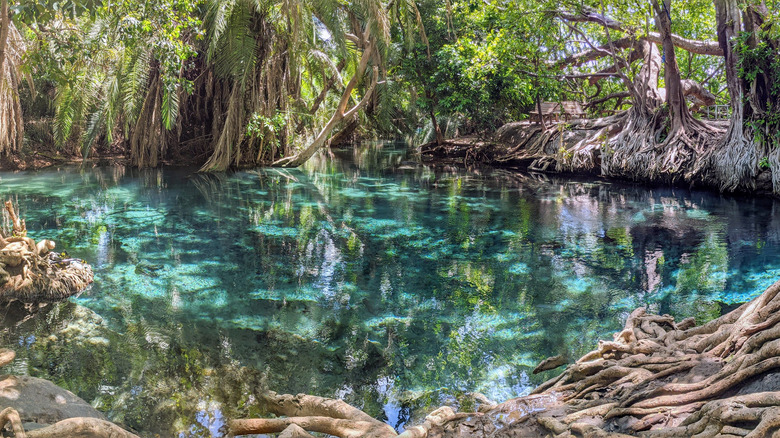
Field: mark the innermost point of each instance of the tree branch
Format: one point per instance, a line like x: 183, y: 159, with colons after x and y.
x: 710, y: 48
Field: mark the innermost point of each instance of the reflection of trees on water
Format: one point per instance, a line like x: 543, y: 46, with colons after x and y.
x: 382, y: 279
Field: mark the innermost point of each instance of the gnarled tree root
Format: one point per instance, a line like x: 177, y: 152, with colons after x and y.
x: 302, y: 413
x: 31, y: 273
x: 657, y: 378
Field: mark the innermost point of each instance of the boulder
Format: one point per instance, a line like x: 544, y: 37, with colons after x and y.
x: 41, y: 401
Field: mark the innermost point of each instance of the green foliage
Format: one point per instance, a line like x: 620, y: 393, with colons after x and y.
x: 469, y: 66
x: 267, y: 129
x: 759, y: 67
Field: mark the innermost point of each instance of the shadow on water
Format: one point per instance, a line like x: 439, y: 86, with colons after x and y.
x: 368, y: 276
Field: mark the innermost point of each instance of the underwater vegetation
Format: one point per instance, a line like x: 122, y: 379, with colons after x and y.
x: 395, y: 287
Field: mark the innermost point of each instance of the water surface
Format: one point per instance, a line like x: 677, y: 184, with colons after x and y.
x: 396, y: 286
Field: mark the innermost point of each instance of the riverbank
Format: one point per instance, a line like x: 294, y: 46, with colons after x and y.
x: 590, y: 147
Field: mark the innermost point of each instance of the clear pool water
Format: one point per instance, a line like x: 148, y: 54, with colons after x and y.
x: 394, y: 285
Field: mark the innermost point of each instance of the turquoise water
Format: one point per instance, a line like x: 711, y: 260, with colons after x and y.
x: 393, y: 285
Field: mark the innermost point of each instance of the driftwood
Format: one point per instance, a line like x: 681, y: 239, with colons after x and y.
x: 656, y: 378
x: 30, y: 272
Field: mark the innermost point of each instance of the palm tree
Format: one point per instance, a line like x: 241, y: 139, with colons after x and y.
x: 11, y: 50
x: 267, y: 75
x: 313, y: 43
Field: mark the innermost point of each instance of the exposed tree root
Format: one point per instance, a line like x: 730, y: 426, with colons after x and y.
x: 31, y: 273
x: 80, y: 427
x: 302, y: 413
x: 656, y: 378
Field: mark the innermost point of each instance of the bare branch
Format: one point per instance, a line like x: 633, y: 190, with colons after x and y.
x: 710, y: 48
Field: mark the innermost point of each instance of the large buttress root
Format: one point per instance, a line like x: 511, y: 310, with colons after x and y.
x: 656, y: 378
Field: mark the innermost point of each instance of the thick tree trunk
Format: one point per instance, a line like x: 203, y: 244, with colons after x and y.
x: 12, y: 125
x: 729, y: 23
x: 646, y: 83
x: 674, y: 90
x: 734, y: 162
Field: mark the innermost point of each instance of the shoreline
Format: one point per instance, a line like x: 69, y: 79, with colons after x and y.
x: 524, y: 146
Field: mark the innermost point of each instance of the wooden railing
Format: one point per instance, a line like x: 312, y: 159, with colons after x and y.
x: 717, y: 112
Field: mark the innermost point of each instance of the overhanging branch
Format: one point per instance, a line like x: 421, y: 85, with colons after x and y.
x: 709, y: 48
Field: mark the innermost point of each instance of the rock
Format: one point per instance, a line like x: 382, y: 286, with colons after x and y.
x: 769, y: 382
x: 6, y: 356
x: 43, y: 402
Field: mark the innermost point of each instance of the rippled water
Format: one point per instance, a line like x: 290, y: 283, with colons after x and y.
x: 393, y: 285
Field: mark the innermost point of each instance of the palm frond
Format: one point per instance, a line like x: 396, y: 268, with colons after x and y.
x: 170, y: 105
x: 135, y: 83
x: 218, y: 15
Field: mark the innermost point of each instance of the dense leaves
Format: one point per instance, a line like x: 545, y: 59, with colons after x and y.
x: 247, y: 82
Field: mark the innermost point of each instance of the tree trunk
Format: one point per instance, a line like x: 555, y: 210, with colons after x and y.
x: 326, y: 87
x: 674, y: 89
x: 5, y: 26
x: 436, y: 128
x: 646, y: 83
x: 539, y: 108
x: 729, y: 23
x: 734, y: 162
x: 341, y: 112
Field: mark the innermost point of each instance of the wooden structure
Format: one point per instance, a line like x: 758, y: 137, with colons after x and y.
x: 557, y: 111
x: 717, y: 112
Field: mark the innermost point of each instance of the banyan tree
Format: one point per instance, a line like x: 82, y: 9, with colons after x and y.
x: 658, y: 138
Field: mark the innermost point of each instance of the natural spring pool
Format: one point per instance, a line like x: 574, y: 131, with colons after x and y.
x: 396, y: 286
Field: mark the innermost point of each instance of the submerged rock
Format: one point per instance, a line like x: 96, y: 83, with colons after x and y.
x: 41, y: 401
